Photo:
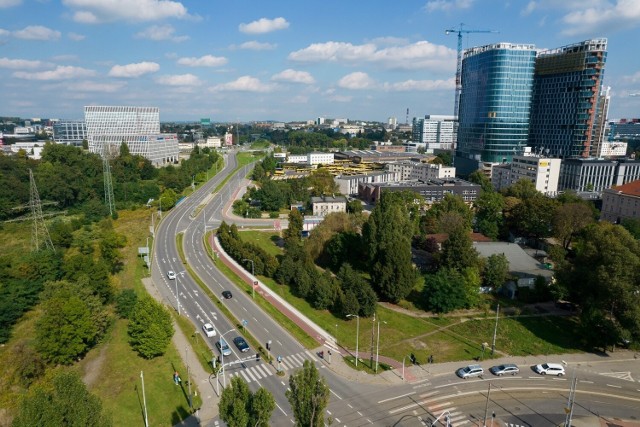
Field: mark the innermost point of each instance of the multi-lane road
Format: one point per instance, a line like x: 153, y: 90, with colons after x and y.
x: 527, y: 399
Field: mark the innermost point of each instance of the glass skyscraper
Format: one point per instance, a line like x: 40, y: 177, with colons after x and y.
x: 495, y: 104
x: 566, y: 99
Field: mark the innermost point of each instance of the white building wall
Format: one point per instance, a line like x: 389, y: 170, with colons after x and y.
x: 318, y: 158
x: 297, y: 158
x: 543, y: 172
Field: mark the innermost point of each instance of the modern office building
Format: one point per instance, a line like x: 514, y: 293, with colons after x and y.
x: 621, y: 202
x: 566, y: 97
x: 495, y: 104
x: 436, y: 132
x: 70, y: 132
x: 139, y: 127
x: 598, y: 145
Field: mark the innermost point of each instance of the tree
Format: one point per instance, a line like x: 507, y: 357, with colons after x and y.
x: 150, y: 328
x: 65, y: 331
x: 532, y: 217
x: 261, y: 407
x: 385, y: 234
x: 354, y: 206
x: 234, y: 403
x: 458, y: 252
x: 632, y: 225
x: 489, y: 217
x: 322, y: 182
x: 477, y: 177
x: 496, y: 271
x: 522, y: 189
x: 568, y: 220
x: 294, y: 230
x: 60, y: 399
x: 444, y: 291
x: 308, y: 395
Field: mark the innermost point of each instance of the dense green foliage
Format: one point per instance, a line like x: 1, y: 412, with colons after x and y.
x: 263, y: 262
x: 308, y: 395
x: 240, y: 408
x: 150, y: 328
x: 62, y: 399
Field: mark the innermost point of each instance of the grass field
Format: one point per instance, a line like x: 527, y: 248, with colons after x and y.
x: 449, y: 338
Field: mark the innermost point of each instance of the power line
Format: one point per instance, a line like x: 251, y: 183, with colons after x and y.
x: 39, y: 235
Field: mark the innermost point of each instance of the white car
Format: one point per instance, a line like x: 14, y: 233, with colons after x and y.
x: 549, y: 369
x: 209, y: 330
x: 171, y: 275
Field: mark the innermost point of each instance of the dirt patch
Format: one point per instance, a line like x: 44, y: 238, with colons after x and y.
x: 93, y: 368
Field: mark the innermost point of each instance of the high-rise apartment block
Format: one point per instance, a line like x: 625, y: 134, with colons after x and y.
x: 436, y: 132
x: 139, y: 127
x: 566, y: 98
x: 70, y: 132
x: 495, y: 103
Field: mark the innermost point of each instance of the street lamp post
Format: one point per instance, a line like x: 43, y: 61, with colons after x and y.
x: 224, y: 373
x: 253, y: 287
x: 403, y: 367
x: 144, y: 400
x: 495, y: 331
x: 378, y: 344
x: 357, y: 333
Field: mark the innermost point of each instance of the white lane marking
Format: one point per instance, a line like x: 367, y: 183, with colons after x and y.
x: 281, y: 410
x: 334, y: 393
x: 246, y: 378
x: 359, y: 413
x: 614, y: 386
x: 328, y: 412
x: 349, y: 405
x: 251, y: 374
x: 397, y: 397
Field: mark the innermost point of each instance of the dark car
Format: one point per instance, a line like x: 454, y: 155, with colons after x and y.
x: 241, y: 344
x: 507, y: 368
x: 227, y: 294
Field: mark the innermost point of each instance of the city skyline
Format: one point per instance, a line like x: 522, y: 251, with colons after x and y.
x: 284, y: 60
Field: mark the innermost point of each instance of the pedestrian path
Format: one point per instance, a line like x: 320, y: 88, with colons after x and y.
x: 263, y: 370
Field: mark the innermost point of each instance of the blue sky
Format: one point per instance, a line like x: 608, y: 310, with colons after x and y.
x: 282, y: 60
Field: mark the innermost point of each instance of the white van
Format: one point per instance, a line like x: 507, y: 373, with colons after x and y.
x: 550, y: 369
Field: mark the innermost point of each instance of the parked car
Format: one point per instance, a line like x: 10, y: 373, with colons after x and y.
x: 506, y: 369
x: 171, y: 275
x: 241, y: 344
x: 209, y: 330
x: 549, y: 369
x: 223, y: 347
x: 470, y: 371
x: 227, y: 294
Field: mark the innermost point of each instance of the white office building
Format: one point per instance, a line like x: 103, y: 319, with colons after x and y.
x: 319, y: 158
x: 70, y: 132
x: 437, y: 132
x: 543, y: 172
x: 139, y: 127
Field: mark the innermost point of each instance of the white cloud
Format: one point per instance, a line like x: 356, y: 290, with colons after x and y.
x: 4, y: 33
x: 59, y: 73
x: 244, y: 84
x: 134, y: 70
x: 447, y: 5
x: 89, y: 86
x: 255, y: 45
x: 99, y: 11
x: 420, y: 85
x: 179, y: 80
x: 20, y: 64
x: 264, y: 25
x: 390, y: 41
x: 419, y: 55
x: 357, y: 81
x: 161, y: 32
x: 36, y: 32
x: 9, y: 3
x: 341, y: 98
x: 531, y: 6
x: 203, y: 61
x: 634, y: 78
x: 294, y: 76
x: 76, y: 37
x: 603, y: 16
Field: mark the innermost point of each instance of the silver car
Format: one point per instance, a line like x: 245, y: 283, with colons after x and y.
x: 506, y: 369
x: 470, y: 371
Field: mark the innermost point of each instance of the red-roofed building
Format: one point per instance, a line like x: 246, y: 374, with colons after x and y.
x: 621, y: 202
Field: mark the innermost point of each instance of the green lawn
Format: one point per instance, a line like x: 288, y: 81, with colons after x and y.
x: 265, y: 240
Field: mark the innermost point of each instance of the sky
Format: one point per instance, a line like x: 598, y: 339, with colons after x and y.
x: 283, y: 60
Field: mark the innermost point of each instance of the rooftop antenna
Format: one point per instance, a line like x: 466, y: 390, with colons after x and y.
x: 39, y: 234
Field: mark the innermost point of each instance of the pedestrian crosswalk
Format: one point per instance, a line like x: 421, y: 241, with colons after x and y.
x: 263, y: 370
x: 620, y: 375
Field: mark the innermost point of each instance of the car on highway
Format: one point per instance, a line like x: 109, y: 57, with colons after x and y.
x: 506, y: 369
x: 227, y: 294
x: 241, y: 344
x: 549, y: 369
x: 171, y: 275
x: 470, y: 371
x: 223, y: 347
x: 209, y: 330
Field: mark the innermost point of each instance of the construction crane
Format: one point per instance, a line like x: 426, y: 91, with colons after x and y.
x: 460, y: 31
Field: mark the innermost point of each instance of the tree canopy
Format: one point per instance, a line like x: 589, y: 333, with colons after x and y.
x: 150, y: 328
x: 308, y: 395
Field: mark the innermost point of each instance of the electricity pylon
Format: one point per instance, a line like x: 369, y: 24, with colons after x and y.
x: 39, y: 229
x: 108, y: 184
